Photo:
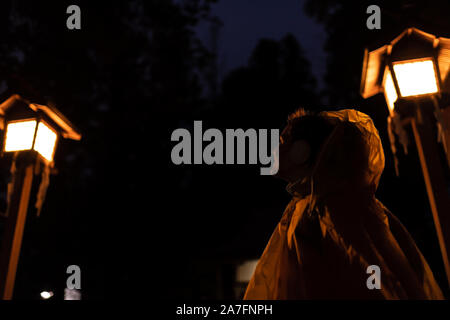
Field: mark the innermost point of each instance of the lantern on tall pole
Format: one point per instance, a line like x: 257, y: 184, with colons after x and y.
x: 31, y: 133
x: 413, y: 73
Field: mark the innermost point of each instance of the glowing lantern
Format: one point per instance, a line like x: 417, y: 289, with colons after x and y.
x: 30, y: 126
x: 31, y: 131
x: 414, y: 64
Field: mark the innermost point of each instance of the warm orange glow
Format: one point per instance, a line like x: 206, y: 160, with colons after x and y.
x: 389, y: 90
x: 45, y: 141
x: 19, y: 135
x: 416, y: 77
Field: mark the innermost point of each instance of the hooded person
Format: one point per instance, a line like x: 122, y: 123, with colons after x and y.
x: 335, y: 240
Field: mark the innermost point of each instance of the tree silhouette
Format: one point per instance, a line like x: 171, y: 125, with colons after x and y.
x: 276, y: 81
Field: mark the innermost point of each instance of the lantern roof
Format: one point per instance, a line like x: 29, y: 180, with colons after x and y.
x: 412, y: 43
x: 18, y: 103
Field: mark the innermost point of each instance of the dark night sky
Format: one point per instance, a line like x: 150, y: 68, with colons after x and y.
x: 246, y: 21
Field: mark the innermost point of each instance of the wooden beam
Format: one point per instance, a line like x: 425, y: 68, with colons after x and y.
x: 436, y: 185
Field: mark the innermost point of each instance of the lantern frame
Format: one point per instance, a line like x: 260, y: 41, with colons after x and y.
x: 17, y: 109
x: 412, y: 45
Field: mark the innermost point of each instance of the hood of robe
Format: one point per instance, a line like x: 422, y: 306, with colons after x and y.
x: 350, y: 160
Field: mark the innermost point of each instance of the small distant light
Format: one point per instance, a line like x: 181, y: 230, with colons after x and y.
x: 46, y: 295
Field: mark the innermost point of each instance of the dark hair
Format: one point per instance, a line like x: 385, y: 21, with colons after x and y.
x: 308, y: 126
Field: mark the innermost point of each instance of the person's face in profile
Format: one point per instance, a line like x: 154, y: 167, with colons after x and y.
x: 293, y: 157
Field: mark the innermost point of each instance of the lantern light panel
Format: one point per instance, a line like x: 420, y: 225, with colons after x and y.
x: 389, y: 90
x: 416, y: 77
x: 20, y: 135
x: 45, y: 141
